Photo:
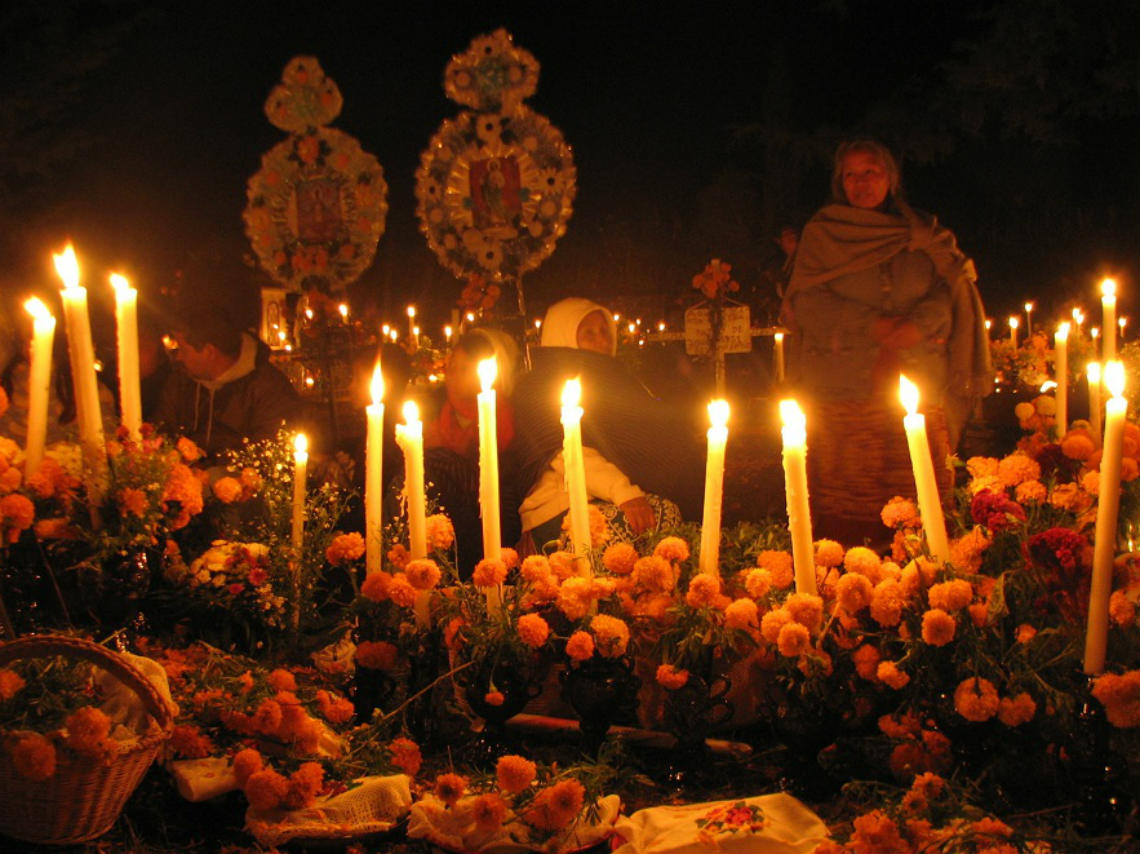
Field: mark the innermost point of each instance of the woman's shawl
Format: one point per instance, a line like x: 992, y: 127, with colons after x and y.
x: 653, y: 444
x: 841, y: 239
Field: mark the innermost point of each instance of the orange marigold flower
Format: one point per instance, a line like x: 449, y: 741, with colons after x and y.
x: 510, y: 557
x: 793, y: 640
x: 250, y: 480
x: 376, y: 586
x: 976, y: 699
x: 132, y: 502
x: 304, y: 785
x: 703, y: 590
x: 866, y: 660
x: 17, y: 513
x: 227, y: 489
x: 619, y: 558
x: 1077, y: 445
x: 889, y: 674
x: 489, y: 572
x: 1030, y: 491
x: 406, y: 755
x: 1120, y: 696
x: 246, y: 763
x: 11, y: 683
x: 758, y: 582
x: 87, y: 729
x: 887, y: 603
x: 1121, y: 609
x: 536, y: 568
x: 514, y: 773
x: 864, y: 561
x: 376, y: 655
x: 742, y: 614
x: 267, y: 718
x: 1026, y: 633
x: 489, y: 811
x: 938, y: 627
x: 982, y: 466
x: 189, y: 742
x: 1015, y: 711
x: 950, y: 595
x: 900, y: 512
x: 979, y: 614
x: 401, y: 591
x: 853, y: 592
x: 672, y: 548
x: 282, y: 680
x: 345, y: 547
x: 533, y: 630
x: 266, y: 789
x: 772, y: 622
x: 611, y: 635
x: 990, y: 826
x: 439, y: 531
x: 422, y: 573
x: 580, y: 646
x: 557, y: 806
x: 779, y: 564
x: 336, y: 710
x: 449, y: 788
x: 806, y: 609
x: 893, y: 726
x: 1018, y: 468
x: 563, y: 564
x: 33, y: 756
x: 670, y: 677
x: 876, y: 833
x: 655, y: 573
x: 398, y: 556
x: 828, y: 553
x: 188, y: 449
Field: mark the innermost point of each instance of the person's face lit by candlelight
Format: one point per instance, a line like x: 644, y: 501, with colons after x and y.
x: 865, y: 180
x: 594, y: 334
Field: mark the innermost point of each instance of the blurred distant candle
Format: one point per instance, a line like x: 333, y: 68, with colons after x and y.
x: 1107, y: 510
x: 1122, y: 322
x: 412, y: 322
x: 343, y: 309
x: 300, y: 475
x: 82, y: 353
x: 410, y: 438
x: 384, y: 330
x: 489, y: 473
x: 1078, y: 318
x: 1092, y: 372
x: 989, y: 324
x: 926, y: 484
x: 1108, y: 319
x: 447, y: 333
x: 39, y: 383
x: 127, y: 332
x: 794, y: 434
x: 575, y: 468
x: 714, y: 488
x: 374, y: 476
x: 1013, y: 323
x: 778, y: 346
x: 1061, y: 370
x: 1029, y: 319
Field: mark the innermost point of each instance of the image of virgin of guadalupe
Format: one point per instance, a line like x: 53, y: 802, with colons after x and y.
x: 495, y: 197
x: 318, y: 211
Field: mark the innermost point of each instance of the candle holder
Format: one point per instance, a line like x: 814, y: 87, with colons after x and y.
x: 601, y: 691
x: 496, y: 692
x: 692, y: 712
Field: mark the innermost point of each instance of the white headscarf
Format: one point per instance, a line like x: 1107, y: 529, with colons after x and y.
x: 560, y: 327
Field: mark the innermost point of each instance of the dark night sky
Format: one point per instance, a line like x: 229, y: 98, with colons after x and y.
x: 647, y: 94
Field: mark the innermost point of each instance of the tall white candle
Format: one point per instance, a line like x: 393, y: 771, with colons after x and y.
x: 489, y: 473
x: 1092, y: 372
x: 714, y: 488
x: 794, y: 434
x: 1061, y: 367
x: 300, y: 476
x: 778, y: 348
x: 1108, y: 321
x: 1013, y: 323
x: 925, y: 483
x: 575, y: 468
x: 127, y: 331
x: 410, y: 438
x: 81, y: 350
x: 1107, y: 510
x: 39, y: 383
x: 374, y: 476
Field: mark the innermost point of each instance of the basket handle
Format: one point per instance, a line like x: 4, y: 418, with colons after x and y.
x: 43, y: 646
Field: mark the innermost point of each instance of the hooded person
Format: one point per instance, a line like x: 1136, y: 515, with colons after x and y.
x: 643, y: 463
x: 224, y: 389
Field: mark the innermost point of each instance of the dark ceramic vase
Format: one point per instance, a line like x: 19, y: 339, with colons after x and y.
x: 601, y: 691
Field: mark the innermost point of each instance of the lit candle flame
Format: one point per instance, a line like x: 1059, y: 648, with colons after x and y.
x: 779, y: 336
x: 1063, y: 331
x: 661, y: 326
x: 411, y: 413
x: 718, y: 413
x: 384, y: 329
x: 1014, y: 323
x: 1029, y: 306
x: 488, y: 369
x: 394, y: 335
x: 301, y: 444
x: 989, y: 324
x: 120, y: 282
x: 1108, y: 288
x: 343, y: 309
x: 416, y: 331
x: 35, y: 307
x: 538, y: 323
x: 376, y: 387
x: 1094, y: 333
x: 791, y: 415
x: 632, y: 328
x: 572, y: 392
x: 67, y: 266
x: 1048, y: 385
x: 470, y: 317
x: 908, y: 394
x: 1114, y: 378
x: 447, y: 332
x: 1092, y: 371
x: 411, y: 311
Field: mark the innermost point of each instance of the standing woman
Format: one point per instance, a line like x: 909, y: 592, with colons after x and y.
x: 879, y: 289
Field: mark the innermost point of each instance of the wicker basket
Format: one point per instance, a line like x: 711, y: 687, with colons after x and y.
x: 84, y: 797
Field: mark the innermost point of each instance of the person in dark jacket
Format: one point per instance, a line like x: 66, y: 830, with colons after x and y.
x: 223, y: 389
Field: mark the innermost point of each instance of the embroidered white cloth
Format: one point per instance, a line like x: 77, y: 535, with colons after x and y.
x: 766, y: 824
x: 373, y: 806
x: 454, y: 829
